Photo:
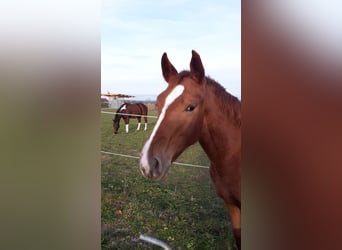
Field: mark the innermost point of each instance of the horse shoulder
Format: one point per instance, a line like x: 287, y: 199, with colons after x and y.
x: 226, y: 181
x: 145, y: 108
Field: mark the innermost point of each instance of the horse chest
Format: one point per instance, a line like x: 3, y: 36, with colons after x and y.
x: 226, y: 181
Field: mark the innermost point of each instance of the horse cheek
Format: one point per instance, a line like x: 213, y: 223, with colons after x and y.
x: 194, y: 127
x: 186, y: 137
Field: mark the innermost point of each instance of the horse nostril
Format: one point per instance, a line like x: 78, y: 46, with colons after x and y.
x: 152, y: 170
x: 156, y: 164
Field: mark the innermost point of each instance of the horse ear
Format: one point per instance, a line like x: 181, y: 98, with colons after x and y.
x: 167, y: 68
x: 196, y: 66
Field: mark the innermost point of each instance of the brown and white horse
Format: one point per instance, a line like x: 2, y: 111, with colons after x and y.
x: 128, y: 110
x: 196, y: 108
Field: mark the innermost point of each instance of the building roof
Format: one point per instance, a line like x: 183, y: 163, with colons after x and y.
x: 117, y: 95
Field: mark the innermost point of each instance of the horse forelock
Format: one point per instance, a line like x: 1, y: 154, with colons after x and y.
x: 183, y: 74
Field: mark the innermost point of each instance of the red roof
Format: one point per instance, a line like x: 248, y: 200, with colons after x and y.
x: 104, y: 100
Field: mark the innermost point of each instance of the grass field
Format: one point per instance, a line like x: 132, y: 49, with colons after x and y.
x: 182, y: 210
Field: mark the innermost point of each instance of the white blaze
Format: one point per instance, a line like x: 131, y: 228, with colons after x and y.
x: 123, y: 107
x: 174, y: 94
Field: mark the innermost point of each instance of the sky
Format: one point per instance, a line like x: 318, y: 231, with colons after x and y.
x: 135, y: 34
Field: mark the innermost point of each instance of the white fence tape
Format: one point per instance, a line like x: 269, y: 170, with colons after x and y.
x: 136, y: 157
x: 113, y: 113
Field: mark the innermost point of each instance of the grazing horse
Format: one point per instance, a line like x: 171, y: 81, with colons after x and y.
x: 194, y: 108
x: 126, y: 111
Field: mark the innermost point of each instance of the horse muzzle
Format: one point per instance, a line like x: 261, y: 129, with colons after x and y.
x: 154, y: 168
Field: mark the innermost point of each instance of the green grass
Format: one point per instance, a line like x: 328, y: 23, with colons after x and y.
x: 182, y: 210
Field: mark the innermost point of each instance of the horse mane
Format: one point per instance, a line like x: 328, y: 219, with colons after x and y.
x: 229, y: 103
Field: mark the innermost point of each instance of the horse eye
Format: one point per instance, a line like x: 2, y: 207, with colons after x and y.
x: 190, y: 108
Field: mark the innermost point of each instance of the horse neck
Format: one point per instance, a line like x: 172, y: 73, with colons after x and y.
x: 218, y: 127
x: 117, y: 117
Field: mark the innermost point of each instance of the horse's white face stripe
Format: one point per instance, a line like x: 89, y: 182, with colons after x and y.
x: 123, y: 108
x: 174, y: 94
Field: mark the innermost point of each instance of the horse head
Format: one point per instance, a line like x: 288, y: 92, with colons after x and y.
x: 116, y: 125
x: 180, y: 120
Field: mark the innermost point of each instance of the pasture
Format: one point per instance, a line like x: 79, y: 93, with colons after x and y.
x: 182, y: 210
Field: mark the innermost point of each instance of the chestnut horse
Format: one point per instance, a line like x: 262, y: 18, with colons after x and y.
x: 126, y: 111
x: 196, y: 108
